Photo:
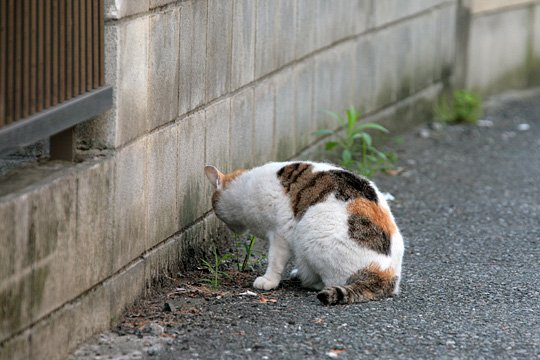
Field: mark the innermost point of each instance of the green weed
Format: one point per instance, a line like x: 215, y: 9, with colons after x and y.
x: 462, y: 107
x: 244, y: 252
x: 215, y: 269
x: 248, y: 248
x: 354, y: 147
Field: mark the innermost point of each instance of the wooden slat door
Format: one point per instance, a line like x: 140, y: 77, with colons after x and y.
x: 52, y: 51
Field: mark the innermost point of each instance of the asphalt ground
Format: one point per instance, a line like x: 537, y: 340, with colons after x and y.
x: 468, y: 206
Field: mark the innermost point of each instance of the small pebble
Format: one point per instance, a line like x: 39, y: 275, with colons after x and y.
x: 154, y: 350
x: 424, y: 133
x: 79, y: 353
x: 485, y: 123
x: 437, y: 126
x: 153, y: 329
x: 168, y: 307
x: 523, y: 127
x: 507, y: 135
x: 103, y: 340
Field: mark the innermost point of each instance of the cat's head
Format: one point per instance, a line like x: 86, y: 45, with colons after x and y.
x: 221, y: 182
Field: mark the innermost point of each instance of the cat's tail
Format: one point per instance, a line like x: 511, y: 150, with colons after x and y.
x: 370, y: 283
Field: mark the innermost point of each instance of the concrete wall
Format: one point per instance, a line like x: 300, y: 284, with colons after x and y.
x: 224, y: 82
x: 503, y: 47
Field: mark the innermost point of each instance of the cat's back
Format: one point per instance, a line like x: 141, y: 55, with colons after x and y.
x: 307, y: 184
x: 296, y: 187
x: 331, y: 200
x: 272, y: 182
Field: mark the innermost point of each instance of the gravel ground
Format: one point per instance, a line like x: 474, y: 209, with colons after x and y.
x: 468, y: 205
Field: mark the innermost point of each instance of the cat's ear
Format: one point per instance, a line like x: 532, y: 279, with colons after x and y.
x: 215, y: 176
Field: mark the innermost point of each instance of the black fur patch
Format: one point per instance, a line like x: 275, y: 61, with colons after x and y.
x: 306, y: 188
x: 291, y: 174
x: 313, y: 192
x: 324, y: 297
x: 367, y: 234
x: 351, y: 186
x: 341, y: 293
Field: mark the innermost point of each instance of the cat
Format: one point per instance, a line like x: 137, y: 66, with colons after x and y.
x: 337, y: 225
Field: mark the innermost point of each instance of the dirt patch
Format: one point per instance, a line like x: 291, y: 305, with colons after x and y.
x: 188, y: 295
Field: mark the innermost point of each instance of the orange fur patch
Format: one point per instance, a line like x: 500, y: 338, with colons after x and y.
x: 375, y: 213
x: 386, y: 275
x: 228, y: 178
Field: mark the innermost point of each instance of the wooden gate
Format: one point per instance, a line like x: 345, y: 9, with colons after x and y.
x: 52, y: 59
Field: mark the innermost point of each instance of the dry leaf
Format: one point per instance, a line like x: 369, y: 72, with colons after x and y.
x: 394, y: 172
x: 248, y: 293
x: 334, y: 353
x: 264, y: 300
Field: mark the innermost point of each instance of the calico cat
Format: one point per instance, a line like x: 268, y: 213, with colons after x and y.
x: 337, y: 225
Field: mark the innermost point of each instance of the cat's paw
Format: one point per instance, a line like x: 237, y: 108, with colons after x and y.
x: 263, y: 283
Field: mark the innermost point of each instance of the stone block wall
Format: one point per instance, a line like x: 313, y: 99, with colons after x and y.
x: 233, y: 83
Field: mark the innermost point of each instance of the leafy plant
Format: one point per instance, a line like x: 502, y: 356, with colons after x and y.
x: 244, y: 248
x: 248, y: 247
x: 462, y: 107
x: 353, y: 145
x: 215, y: 269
